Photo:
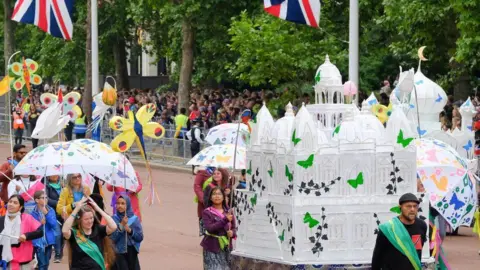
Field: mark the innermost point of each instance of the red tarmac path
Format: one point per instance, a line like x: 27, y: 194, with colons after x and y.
x: 171, y: 231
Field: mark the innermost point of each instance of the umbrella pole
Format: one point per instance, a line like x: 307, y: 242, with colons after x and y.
x: 234, y: 162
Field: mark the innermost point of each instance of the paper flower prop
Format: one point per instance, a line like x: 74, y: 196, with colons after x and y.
x: 350, y: 89
x: 382, y: 112
x: 109, y: 95
x: 24, y: 76
x: 69, y: 102
x: 134, y: 128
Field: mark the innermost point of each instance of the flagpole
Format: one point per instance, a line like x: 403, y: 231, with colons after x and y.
x: 353, y: 44
x: 94, y: 33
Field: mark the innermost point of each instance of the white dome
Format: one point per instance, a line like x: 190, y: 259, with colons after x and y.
x: 467, y: 109
x: 328, y: 74
x: 372, y: 100
x: 360, y: 128
x: 305, y: 130
x: 263, y: 126
x: 282, y: 131
x: 431, y: 98
x: 399, y: 121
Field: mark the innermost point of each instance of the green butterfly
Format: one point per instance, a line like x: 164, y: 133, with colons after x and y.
x: 253, y: 200
x: 306, y: 163
x: 396, y: 209
x: 270, y: 172
x: 403, y: 141
x: 282, y: 237
x: 294, y: 139
x: 288, y: 174
x: 310, y: 220
x: 317, y: 77
x: 249, y: 171
x: 337, y: 130
x: 357, y: 181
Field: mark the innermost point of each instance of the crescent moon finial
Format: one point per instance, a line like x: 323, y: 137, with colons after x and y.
x: 420, y: 53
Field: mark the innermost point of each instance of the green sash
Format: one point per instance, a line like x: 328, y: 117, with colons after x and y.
x: 91, y: 250
x: 401, y: 240
x: 222, y: 240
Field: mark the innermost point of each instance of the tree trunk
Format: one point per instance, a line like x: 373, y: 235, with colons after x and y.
x: 8, y: 31
x: 87, y: 94
x: 120, y: 57
x: 185, y: 81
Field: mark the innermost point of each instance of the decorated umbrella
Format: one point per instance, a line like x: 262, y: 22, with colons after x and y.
x: 227, y: 134
x: 79, y: 156
x: 119, y: 173
x: 444, y: 174
x: 221, y: 156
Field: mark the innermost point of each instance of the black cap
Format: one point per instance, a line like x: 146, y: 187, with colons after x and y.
x: 408, y: 197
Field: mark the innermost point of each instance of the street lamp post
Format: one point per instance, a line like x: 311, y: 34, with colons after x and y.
x: 94, y: 33
x: 353, y: 44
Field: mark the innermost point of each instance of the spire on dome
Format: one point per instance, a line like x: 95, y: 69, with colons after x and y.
x: 289, y: 110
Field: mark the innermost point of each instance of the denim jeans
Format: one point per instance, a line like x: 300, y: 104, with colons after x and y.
x: 43, y: 256
x: 58, y: 241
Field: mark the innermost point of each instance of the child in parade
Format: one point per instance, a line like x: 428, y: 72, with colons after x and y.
x: 89, y: 245
x: 53, y: 189
x: 133, y: 196
x: 17, y: 232
x: 26, y: 186
x: 46, y: 216
x: 19, y: 151
x: 220, y: 228
x: 220, y: 178
x: 128, y: 236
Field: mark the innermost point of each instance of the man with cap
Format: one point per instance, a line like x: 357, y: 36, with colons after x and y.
x: 400, y: 240
x: 195, y: 137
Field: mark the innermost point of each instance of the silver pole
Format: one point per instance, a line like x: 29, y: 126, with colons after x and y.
x: 94, y: 32
x: 353, y: 57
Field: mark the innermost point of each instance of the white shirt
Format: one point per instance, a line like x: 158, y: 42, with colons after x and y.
x: 198, y: 134
x: 24, y: 185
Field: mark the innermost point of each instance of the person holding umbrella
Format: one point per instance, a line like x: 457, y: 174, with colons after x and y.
x: 72, y: 193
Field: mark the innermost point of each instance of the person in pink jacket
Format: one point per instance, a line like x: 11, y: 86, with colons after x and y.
x: 133, y: 196
x: 199, y: 185
x: 17, y: 232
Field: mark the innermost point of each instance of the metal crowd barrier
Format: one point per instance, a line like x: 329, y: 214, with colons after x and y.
x: 168, y: 150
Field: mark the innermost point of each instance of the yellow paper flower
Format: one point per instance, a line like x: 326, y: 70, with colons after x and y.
x: 134, y: 128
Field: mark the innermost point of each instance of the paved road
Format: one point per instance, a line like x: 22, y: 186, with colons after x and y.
x: 171, y: 239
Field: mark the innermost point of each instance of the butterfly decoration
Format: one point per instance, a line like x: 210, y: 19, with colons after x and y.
x: 468, y: 146
x: 441, y: 183
x: 133, y: 129
x: 282, y: 236
x: 318, y: 76
x: 24, y: 76
x: 355, y: 183
x: 69, y: 103
x: 295, y: 140
x: 382, y: 112
x: 270, y: 172
x: 60, y: 146
x: 249, y: 170
x: 201, y: 158
x: 253, y: 200
x: 336, y: 130
x: 419, y: 82
x: 403, y: 141
x: 306, y: 163
x: 469, y: 128
x: 223, y: 159
x: 456, y: 202
x: 439, y: 99
x: 288, y: 174
x: 396, y: 210
x: 312, y: 222
x: 411, y: 106
x: 421, y: 132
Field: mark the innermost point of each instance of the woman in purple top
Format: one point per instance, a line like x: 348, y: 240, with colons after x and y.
x: 220, y: 229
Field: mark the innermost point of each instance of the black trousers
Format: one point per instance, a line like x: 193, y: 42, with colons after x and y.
x: 194, y: 148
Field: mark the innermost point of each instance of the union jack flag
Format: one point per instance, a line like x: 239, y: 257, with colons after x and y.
x: 52, y: 16
x: 298, y: 11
